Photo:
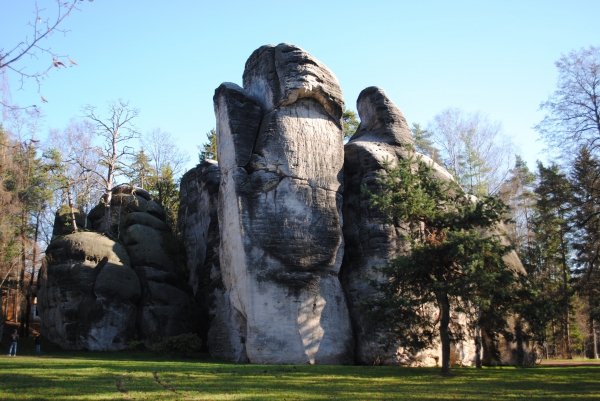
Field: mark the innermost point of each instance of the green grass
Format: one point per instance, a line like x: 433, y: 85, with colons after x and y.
x: 128, y: 376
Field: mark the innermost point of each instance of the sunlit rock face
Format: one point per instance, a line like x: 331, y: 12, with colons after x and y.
x: 371, y: 240
x: 88, y: 293
x: 280, y: 155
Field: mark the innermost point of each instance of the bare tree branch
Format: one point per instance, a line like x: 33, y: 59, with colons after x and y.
x: 113, y: 131
x: 573, y: 110
x: 42, y: 28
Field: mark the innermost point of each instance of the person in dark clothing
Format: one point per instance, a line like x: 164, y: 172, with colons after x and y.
x: 38, y: 344
x: 14, y: 337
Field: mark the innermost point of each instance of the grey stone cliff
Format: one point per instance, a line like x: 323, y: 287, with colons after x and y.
x: 280, y: 156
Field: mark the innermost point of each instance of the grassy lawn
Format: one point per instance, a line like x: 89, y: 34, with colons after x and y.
x: 144, y: 376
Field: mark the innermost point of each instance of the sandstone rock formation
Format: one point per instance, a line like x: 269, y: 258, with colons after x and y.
x: 384, y: 136
x: 63, y: 221
x: 88, y: 293
x: 199, y: 223
x: 280, y: 156
x: 162, y: 304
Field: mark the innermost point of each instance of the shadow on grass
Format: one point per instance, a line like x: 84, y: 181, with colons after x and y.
x: 100, y: 376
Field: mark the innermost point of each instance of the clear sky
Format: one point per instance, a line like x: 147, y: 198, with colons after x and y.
x: 167, y: 58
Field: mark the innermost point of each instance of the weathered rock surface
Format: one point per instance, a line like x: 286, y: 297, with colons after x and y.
x: 166, y: 307
x: 280, y: 157
x: 88, y: 293
x: 125, y: 199
x: 63, y: 221
x: 384, y: 136
x: 199, y: 225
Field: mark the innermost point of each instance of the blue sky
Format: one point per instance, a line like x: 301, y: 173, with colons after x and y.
x: 167, y: 58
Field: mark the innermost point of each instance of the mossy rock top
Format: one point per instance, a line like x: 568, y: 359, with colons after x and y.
x: 86, y: 246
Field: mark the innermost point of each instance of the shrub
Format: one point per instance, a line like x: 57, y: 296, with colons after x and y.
x: 136, y: 345
x: 184, y: 345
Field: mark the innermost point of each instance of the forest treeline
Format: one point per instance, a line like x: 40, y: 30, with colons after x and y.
x: 554, y: 212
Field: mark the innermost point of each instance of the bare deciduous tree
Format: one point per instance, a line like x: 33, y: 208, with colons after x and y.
x: 71, y: 151
x: 473, y: 149
x: 167, y: 162
x: 573, y: 110
x: 161, y: 150
x: 114, y: 132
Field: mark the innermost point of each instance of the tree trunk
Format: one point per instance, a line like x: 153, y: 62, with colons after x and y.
x: 444, y: 306
x: 594, y: 338
x: 29, y: 292
x: 71, y: 207
x: 108, y: 198
x: 21, y: 283
x: 478, y: 341
x: 565, y: 298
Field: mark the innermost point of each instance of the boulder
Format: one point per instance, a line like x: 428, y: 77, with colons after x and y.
x: 63, y: 221
x: 88, y: 293
x: 383, y: 136
x: 125, y: 199
x: 280, y: 156
x: 93, y: 299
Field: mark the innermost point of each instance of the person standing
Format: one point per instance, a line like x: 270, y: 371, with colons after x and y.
x: 38, y: 344
x: 14, y: 337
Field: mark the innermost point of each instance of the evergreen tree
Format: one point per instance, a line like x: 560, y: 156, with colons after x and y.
x: 552, y: 270
x: 517, y: 192
x: 585, y: 180
x: 208, y: 151
x: 350, y: 123
x: 140, y: 171
x: 475, y: 171
x: 451, y: 266
x: 424, y: 143
x: 165, y: 190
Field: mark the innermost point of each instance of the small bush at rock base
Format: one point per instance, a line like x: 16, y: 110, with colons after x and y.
x: 184, y: 345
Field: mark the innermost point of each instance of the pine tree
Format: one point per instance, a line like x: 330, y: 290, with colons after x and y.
x: 517, y: 192
x: 424, y: 143
x: 585, y: 180
x: 140, y: 171
x: 208, y: 151
x: 165, y: 190
x: 350, y: 123
x: 451, y: 266
x: 552, y: 269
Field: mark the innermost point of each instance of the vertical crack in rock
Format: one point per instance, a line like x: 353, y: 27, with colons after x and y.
x: 280, y: 155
